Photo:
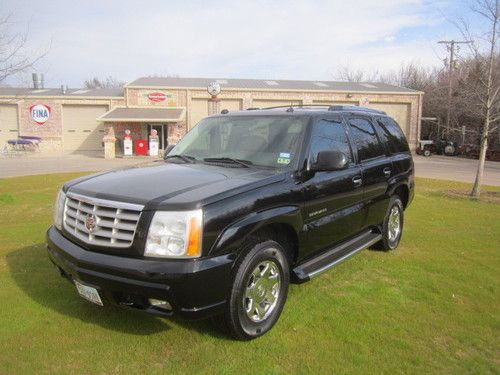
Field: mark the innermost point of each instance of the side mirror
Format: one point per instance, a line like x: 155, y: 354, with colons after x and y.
x: 168, y: 149
x: 330, y: 161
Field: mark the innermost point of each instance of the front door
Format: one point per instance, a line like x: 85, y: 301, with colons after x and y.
x: 333, y: 200
x: 162, y: 130
x: 376, y: 168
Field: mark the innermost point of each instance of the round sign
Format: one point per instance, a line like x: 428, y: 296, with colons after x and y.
x: 40, y: 113
x: 213, y: 88
x: 157, y: 97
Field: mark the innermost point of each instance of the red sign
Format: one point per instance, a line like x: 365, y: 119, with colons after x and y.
x: 40, y: 113
x: 157, y: 97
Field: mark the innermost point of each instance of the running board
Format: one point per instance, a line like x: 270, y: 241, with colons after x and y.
x: 324, y: 261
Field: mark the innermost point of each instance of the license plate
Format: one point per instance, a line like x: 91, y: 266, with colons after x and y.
x: 89, y: 293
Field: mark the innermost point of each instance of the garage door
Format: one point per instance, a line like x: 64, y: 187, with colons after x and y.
x: 231, y: 104
x: 259, y: 103
x: 8, y: 123
x: 81, y: 130
x: 398, y: 111
x: 197, y: 111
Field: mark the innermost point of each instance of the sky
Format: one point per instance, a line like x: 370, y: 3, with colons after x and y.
x: 276, y: 39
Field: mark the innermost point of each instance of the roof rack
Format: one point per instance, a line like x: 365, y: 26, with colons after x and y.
x: 352, y: 108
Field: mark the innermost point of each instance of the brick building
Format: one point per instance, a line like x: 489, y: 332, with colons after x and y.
x: 77, y: 120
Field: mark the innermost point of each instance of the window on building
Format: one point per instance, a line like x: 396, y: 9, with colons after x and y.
x: 366, y: 139
x: 393, y: 135
x: 329, y: 135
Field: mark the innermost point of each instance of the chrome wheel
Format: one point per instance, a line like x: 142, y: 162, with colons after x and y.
x: 262, y: 291
x: 394, y: 224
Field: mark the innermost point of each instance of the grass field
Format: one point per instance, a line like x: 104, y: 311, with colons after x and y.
x: 431, y: 306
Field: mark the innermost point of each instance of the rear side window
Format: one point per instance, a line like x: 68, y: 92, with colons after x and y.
x: 393, y: 135
x: 365, y: 137
x: 329, y: 135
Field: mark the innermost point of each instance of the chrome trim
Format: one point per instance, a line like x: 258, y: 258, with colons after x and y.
x: 341, y: 259
x: 105, y: 202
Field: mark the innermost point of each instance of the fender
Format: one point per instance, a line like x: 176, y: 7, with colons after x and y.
x: 234, y: 235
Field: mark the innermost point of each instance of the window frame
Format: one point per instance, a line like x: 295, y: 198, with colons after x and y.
x: 370, y: 120
x: 340, y: 119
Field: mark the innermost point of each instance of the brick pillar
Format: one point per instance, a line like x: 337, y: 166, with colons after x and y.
x: 213, y: 106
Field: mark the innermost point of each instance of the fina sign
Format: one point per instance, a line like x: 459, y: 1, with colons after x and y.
x: 40, y: 113
x: 157, y: 97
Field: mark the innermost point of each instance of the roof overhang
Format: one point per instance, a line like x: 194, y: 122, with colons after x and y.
x: 144, y: 114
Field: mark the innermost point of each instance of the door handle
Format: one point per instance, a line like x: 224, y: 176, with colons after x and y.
x: 358, y: 181
x: 387, y: 172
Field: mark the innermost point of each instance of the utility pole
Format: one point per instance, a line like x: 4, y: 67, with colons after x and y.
x: 450, y: 45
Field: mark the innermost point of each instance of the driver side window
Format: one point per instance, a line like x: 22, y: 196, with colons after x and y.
x: 329, y: 135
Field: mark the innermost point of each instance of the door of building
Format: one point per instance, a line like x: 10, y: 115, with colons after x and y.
x: 162, y: 130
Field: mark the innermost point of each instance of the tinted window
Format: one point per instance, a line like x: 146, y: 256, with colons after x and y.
x: 393, y: 135
x: 329, y: 135
x: 366, y: 139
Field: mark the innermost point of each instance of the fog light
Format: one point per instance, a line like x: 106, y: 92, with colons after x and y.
x: 164, y: 305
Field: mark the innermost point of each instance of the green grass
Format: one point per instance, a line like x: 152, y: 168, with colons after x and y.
x: 431, y: 306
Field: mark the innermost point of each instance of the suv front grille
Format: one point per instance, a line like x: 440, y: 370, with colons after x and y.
x: 101, y: 222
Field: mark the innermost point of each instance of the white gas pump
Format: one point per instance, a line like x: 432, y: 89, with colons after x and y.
x: 127, y: 144
x: 154, y: 143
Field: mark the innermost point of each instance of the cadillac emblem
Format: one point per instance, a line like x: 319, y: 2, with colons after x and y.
x: 90, y: 223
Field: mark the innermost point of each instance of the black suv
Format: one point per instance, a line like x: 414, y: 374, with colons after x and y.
x: 245, y: 203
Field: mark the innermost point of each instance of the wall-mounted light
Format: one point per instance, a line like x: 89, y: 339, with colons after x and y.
x: 349, y: 95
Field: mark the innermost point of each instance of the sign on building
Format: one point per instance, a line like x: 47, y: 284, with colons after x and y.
x: 40, y: 113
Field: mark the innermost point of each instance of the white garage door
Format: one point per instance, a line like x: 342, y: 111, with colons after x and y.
x: 231, y: 104
x: 198, y: 110
x: 264, y: 103
x: 81, y: 130
x: 398, y: 111
x: 8, y: 123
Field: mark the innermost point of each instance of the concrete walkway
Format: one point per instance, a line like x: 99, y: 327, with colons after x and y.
x: 441, y: 167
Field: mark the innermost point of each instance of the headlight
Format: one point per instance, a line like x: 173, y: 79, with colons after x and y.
x: 175, y: 234
x: 59, y: 209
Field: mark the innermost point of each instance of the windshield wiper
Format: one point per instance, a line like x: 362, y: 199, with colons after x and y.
x: 186, y: 158
x: 243, y: 163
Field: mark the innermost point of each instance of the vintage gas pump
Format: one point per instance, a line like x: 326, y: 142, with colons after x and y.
x: 154, y: 143
x: 127, y: 144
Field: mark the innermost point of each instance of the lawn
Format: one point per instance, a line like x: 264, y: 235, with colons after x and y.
x: 431, y: 306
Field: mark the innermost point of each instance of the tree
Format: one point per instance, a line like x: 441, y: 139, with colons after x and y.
x: 483, y: 90
x: 15, y: 58
x: 105, y: 83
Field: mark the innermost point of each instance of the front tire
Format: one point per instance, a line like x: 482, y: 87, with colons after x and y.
x: 259, y: 291
x: 392, y: 227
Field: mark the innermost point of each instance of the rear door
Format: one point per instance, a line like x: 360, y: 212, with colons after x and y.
x: 333, y: 200
x: 376, y: 168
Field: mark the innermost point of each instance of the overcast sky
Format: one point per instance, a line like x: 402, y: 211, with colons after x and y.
x: 230, y: 39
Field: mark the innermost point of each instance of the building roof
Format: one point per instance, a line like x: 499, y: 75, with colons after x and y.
x: 72, y: 93
x: 144, y: 114
x: 267, y: 84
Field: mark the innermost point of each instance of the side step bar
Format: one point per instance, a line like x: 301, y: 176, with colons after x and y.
x: 324, y: 261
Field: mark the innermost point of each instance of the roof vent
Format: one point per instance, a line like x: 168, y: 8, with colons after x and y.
x: 81, y: 91
x: 271, y: 83
x: 221, y: 81
x: 368, y: 85
x: 320, y: 84
x: 38, y: 81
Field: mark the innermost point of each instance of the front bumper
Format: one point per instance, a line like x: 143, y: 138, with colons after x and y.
x: 194, y: 288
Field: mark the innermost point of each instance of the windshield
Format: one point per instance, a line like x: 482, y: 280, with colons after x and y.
x: 268, y: 141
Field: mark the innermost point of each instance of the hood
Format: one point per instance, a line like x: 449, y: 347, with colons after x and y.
x: 170, y: 185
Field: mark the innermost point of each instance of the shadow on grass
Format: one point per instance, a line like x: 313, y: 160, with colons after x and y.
x: 36, y: 276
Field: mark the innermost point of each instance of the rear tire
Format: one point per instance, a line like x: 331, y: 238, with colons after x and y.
x: 259, y: 291
x: 392, y: 227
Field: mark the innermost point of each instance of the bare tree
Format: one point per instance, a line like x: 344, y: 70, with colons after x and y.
x: 15, y: 57
x: 483, y: 91
x: 105, y: 83
x: 348, y: 74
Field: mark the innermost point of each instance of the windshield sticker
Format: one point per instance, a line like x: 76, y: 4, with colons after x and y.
x: 284, y: 158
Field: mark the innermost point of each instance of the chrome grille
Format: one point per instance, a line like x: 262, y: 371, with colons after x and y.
x: 101, y: 222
